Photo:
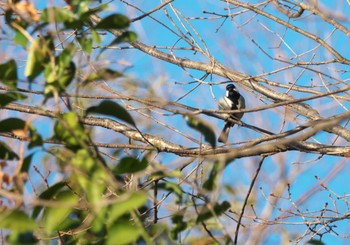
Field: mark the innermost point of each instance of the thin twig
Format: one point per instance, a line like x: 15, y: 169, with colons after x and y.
x: 247, y: 197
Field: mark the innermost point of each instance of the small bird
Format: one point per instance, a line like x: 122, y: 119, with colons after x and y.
x: 233, y: 100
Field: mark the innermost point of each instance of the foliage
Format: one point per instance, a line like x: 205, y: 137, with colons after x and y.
x: 79, y: 209
x: 91, y: 155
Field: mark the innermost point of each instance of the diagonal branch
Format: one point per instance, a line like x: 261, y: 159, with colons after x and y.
x: 317, y: 39
x: 218, y: 69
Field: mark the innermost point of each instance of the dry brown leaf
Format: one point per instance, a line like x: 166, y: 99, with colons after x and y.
x: 27, y: 10
x: 21, y: 133
x: 3, y: 164
x: 7, y: 179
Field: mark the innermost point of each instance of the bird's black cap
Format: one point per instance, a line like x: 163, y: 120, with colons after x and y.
x: 230, y: 86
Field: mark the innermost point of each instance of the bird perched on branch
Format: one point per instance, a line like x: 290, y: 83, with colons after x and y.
x: 233, y: 100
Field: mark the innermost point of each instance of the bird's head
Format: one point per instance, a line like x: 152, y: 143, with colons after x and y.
x: 231, y: 89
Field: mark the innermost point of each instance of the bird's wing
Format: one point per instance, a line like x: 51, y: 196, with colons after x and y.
x: 225, y: 104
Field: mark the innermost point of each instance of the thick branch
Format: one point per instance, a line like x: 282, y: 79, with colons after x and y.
x: 279, y: 145
x: 218, y: 69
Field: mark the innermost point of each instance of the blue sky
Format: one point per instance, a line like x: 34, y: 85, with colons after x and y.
x: 232, y: 47
x: 235, y: 50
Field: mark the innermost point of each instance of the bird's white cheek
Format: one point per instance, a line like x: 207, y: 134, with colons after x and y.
x: 227, y: 93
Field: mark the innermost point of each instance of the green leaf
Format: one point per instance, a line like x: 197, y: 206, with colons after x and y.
x: 123, y: 233
x: 114, y: 21
x: 35, y: 138
x: 127, y: 36
x: 58, y: 14
x: 20, y: 39
x: 69, y: 130
x: 206, y: 213
x: 95, y: 36
x: 38, y: 56
x: 108, y: 74
x: 9, y: 13
x: 52, y: 190
x: 110, y: 108
x: 172, y: 187
x: 129, y: 203
x: 6, y: 153
x: 9, y: 97
x: 54, y: 216
x: 85, y: 14
x: 47, y: 195
x: 98, y: 224
x: 83, y: 160
x: 59, y: 77
x: 25, y: 238
x: 104, y: 74
x: 10, y: 124
x: 17, y: 221
x: 163, y: 174
x: 26, y: 163
x: 210, y: 183
x: 92, y: 176
x: 130, y: 165
x: 8, y: 74
x: 86, y: 44
x: 179, y: 224
x: 315, y: 242
x: 203, y: 127
x: 68, y: 224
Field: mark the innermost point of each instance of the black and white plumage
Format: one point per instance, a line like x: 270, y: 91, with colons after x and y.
x: 233, y: 100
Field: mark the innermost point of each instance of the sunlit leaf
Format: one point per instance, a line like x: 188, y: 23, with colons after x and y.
x: 17, y: 221
x: 98, y: 225
x: 38, y: 56
x: 92, y: 175
x: 134, y: 201
x: 123, y: 233
x: 161, y: 174
x: 59, y: 77
x: 20, y: 39
x: 57, y: 14
x: 82, y: 159
x: 54, y: 216
x: 95, y: 36
x: 69, y: 130
x: 61, y: 15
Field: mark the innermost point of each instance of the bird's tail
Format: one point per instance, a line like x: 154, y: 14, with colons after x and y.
x: 224, y: 133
